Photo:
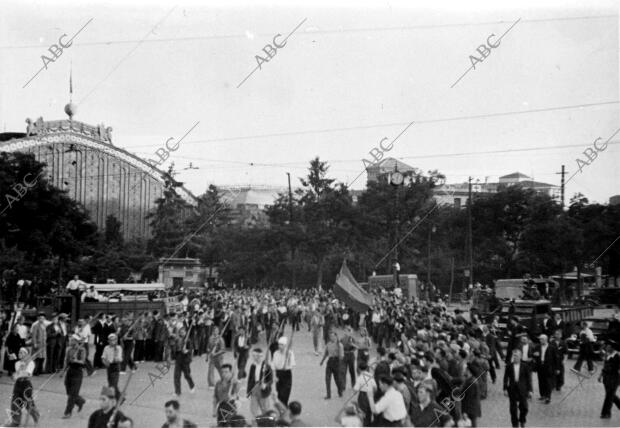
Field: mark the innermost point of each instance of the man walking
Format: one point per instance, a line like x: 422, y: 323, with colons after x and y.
x: 283, y: 363
x: 75, y: 361
x: 518, y: 388
x: 333, y: 353
x: 215, y: 356
x: 260, y: 379
x: 241, y: 350
x: 611, y: 378
x: 586, y: 339
x: 39, y: 343
x: 112, y: 358
x: 348, y: 361
x: 184, y: 350
x: 546, y: 360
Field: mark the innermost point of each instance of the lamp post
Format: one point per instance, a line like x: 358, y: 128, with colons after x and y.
x: 431, y: 230
x: 396, y: 179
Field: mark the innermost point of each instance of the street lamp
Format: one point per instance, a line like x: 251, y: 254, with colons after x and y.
x: 431, y: 230
x: 396, y: 179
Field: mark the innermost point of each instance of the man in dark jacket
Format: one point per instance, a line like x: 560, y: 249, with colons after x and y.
x: 470, y: 404
x: 611, y: 378
x: 518, y: 388
x: 546, y: 362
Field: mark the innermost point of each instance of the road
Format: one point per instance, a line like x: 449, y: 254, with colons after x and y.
x: 581, y: 407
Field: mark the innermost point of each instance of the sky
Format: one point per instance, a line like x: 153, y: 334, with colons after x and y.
x: 350, y: 74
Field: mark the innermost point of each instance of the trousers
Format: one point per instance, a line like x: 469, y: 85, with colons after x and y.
x: 284, y: 385
x: 182, y: 366
x: 333, y: 370
x: 73, y: 383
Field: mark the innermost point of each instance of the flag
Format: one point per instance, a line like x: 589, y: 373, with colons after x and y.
x: 349, y: 291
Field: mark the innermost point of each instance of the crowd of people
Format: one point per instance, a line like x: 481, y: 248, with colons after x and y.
x: 410, y: 362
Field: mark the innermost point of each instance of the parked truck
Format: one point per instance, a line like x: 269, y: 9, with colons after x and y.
x: 530, y: 314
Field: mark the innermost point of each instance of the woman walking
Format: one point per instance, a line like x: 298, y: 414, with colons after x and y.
x: 22, y: 391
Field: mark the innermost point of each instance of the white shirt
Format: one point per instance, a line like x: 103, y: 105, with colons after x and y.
x: 516, y: 369
x: 525, y: 352
x: 279, y: 360
x: 392, y: 405
x: 22, y: 330
x: 75, y: 284
x: 543, y: 349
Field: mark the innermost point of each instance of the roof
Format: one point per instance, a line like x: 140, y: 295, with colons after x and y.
x: 515, y: 175
x: 388, y: 164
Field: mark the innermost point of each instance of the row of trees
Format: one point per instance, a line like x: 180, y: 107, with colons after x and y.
x: 515, y: 231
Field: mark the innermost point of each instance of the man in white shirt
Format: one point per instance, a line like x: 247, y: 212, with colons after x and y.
x: 364, y: 383
x: 283, y: 361
x: 390, y: 407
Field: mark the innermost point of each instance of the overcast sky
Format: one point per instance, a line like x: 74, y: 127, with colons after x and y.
x: 350, y: 75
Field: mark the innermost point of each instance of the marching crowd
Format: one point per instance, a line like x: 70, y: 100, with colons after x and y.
x: 432, y: 367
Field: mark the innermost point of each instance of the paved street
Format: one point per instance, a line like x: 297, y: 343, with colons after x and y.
x: 580, y: 408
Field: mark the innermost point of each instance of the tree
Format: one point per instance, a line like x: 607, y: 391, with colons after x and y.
x: 168, y: 224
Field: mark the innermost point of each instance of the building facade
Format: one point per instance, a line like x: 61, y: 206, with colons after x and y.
x: 82, y: 160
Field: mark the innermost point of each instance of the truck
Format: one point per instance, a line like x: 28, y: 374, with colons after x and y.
x: 530, y: 314
x: 125, y: 299
x: 409, y: 284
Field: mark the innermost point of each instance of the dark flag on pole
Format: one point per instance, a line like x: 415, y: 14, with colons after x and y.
x: 349, y: 291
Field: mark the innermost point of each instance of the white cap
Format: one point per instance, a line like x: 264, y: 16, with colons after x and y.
x: 282, y: 341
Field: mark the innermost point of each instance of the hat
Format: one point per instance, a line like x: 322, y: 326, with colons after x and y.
x: 41, y: 314
x: 108, y: 391
x: 282, y: 341
x: 614, y: 344
x: 62, y: 315
x: 112, y: 336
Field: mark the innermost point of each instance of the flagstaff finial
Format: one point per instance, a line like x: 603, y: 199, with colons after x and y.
x: 71, y: 108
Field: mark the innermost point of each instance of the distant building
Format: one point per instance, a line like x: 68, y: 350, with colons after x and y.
x: 248, y: 206
x: 385, y: 166
x: 82, y: 160
x: 178, y: 272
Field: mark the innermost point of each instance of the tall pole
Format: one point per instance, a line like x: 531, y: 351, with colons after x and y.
x: 428, y: 273
x: 290, y: 197
x: 290, y: 208
x: 396, y: 277
x: 470, y: 244
x: 562, y: 173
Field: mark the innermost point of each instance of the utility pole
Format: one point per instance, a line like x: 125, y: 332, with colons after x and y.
x: 290, y: 197
x: 562, y: 173
x: 469, y: 237
x: 290, y: 208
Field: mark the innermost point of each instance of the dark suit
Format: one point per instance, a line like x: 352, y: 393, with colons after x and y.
x: 548, y: 326
x: 259, y: 397
x: 518, y: 391
x: 546, y: 366
x: 241, y: 354
x: 611, y: 380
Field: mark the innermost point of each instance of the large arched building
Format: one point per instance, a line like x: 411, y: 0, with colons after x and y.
x: 82, y: 160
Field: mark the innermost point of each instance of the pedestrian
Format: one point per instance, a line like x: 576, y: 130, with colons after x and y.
x: 215, y: 356
x: 316, y: 325
x: 333, y: 353
x: 364, y: 383
x: 260, y: 380
x: 611, y: 378
x: 75, y: 362
x: 241, y: 350
x: 562, y: 350
x: 112, y: 358
x: 518, y: 388
x: 39, y: 343
x: 547, y: 367
x: 225, y: 395
x: 107, y: 416
x: 13, y: 344
x: 348, y: 361
x: 173, y: 416
x: 363, y: 347
x: 22, y: 390
x: 283, y: 362
x: 128, y: 342
x: 586, y: 340
x: 470, y: 403
x: 184, y: 350
x: 426, y: 412
x: 390, y: 410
